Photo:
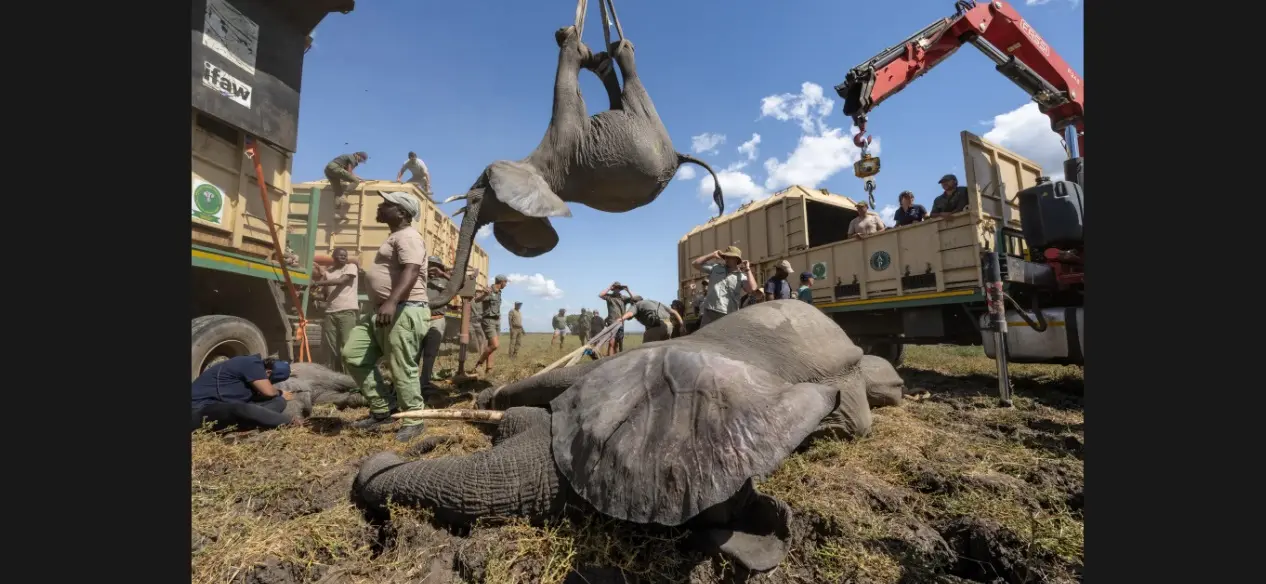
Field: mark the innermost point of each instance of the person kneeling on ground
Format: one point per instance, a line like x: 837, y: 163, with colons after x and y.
x: 660, y: 321
x: 240, y: 392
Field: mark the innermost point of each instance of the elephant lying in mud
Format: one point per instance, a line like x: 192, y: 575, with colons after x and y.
x: 615, y: 161
x: 671, y: 433
x: 323, y: 386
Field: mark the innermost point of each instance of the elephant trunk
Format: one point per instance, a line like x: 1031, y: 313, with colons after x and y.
x: 517, y: 477
x: 466, y: 239
x: 535, y: 391
x: 716, y: 189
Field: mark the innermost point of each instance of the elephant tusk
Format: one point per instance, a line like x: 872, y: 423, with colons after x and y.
x: 460, y: 211
x: 455, y: 198
x: 489, y: 416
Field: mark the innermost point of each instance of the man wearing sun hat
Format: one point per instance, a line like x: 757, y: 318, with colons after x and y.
x: 777, y: 287
x: 396, y: 321
x: 729, y: 277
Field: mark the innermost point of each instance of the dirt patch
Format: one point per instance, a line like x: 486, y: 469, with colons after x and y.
x: 949, y: 489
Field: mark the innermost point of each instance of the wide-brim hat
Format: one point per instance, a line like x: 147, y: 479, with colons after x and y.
x: 732, y: 252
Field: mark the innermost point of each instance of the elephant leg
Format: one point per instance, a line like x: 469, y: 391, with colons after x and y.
x: 535, y: 391
x: 569, y: 114
x: 756, y: 533
x: 634, y: 97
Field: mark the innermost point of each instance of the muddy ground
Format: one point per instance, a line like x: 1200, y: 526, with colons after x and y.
x: 949, y: 488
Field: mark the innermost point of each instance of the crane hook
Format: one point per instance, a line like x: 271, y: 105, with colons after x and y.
x: 861, y: 131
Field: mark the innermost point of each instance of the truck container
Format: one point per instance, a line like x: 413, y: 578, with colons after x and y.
x: 247, y: 62
x: 921, y: 283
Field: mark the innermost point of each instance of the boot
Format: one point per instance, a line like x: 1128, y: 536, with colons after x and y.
x: 408, y: 433
x: 373, y: 422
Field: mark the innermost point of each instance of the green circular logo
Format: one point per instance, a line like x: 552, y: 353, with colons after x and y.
x: 208, y: 199
x: 880, y: 260
x: 819, y: 270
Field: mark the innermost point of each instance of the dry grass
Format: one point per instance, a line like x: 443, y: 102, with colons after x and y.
x: 273, y: 507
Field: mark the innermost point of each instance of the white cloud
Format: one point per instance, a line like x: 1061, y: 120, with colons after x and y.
x: 887, y: 214
x: 1027, y: 132
x: 808, y: 107
x: 537, y: 285
x: 484, y: 232
x: 685, y: 172
x: 1035, y: 2
x: 748, y: 148
x: 815, y: 159
x: 706, y: 142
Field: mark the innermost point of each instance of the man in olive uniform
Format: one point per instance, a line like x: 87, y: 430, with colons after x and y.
x: 437, y: 278
x: 339, y: 171
x: 342, y: 306
x: 491, y: 321
x: 582, y: 326
x: 516, y: 329
x: 953, y: 200
x: 395, y: 322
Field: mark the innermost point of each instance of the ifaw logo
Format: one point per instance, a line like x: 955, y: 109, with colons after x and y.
x: 228, y: 85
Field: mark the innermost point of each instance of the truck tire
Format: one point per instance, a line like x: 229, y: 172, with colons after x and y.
x: 219, y: 337
x: 892, y: 352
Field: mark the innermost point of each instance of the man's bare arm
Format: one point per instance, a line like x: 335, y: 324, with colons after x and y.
x: 265, y: 388
x: 701, y: 260
x: 345, y: 279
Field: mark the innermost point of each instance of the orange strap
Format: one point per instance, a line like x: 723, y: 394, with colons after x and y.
x: 301, y: 333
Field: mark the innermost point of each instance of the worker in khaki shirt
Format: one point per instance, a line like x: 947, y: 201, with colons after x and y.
x: 418, y: 174
x: 516, y: 329
x: 342, y: 307
x: 396, y: 321
x: 866, y: 222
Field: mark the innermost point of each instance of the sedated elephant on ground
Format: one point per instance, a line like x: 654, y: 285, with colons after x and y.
x: 323, y: 386
x: 670, y: 433
x: 614, y: 161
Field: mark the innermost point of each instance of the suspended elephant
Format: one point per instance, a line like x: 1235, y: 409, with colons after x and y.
x: 614, y: 161
x: 671, y: 433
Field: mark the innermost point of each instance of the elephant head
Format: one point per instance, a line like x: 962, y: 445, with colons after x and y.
x: 615, y: 161
x: 323, y: 385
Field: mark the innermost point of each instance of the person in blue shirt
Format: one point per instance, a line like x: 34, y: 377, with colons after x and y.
x: 908, y: 213
x: 241, y: 392
x: 777, y: 287
x: 805, y: 292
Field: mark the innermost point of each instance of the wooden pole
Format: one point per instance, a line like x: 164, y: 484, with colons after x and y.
x: 489, y: 416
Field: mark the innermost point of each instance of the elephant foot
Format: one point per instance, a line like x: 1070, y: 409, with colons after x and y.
x: 600, y: 63
x: 759, y: 539
x: 621, y: 45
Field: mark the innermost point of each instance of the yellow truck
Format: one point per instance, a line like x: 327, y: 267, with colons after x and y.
x: 925, y: 283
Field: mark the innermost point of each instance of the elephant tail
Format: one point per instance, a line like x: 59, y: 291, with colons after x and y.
x: 716, y: 190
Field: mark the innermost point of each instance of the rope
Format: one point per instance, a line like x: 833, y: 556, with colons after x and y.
x: 301, y: 333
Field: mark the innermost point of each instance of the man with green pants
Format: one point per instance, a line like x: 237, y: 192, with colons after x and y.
x: 338, y: 172
x: 395, y: 322
x: 491, y: 321
x: 341, y: 308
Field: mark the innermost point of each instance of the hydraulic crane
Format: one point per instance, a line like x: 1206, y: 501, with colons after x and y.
x: 998, y: 31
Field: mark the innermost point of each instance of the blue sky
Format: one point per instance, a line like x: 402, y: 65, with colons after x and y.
x: 464, y: 84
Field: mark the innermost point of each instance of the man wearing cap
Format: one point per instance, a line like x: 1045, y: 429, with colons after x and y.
x: 777, y: 287
x: 436, y: 279
x: 516, y: 329
x: 582, y: 326
x: 660, y: 321
x: 805, y: 292
x: 559, y: 324
x: 726, y: 282
x: 418, y: 173
x: 491, y: 321
x: 241, y: 392
x: 908, y: 213
x: 339, y: 171
x: 865, y: 223
x: 342, y: 306
x: 396, y: 321
x: 613, y: 295
x: 952, y: 200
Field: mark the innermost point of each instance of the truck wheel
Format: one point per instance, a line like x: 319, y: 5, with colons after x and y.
x: 892, y: 352
x: 219, y: 337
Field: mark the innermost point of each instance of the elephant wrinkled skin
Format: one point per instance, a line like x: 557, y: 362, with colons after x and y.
x: 614, y: 161
x: 671, y: 433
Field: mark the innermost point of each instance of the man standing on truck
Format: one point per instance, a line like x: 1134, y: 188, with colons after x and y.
x: 339, y: 171
x: 660, y: 321
x: 865, y: 223
x: 516, y: 329
x: 777, y: 287
x: 436, y: 279
x: 342, y: 306
x: 396, y: 322
x: 418, y: 173
x: 559, y: 323
x: 725, y: 280
x: 491, y: 321
x: 908, y: 213
x: 240, y: 392
x: 952, y: 200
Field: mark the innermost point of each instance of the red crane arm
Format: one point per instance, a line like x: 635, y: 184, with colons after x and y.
x: 997, y: 30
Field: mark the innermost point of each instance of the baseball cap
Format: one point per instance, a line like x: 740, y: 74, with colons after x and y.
x: 805, y: 276
x: 500, y: 278
x: 281, y: 372
x: 947, y: 177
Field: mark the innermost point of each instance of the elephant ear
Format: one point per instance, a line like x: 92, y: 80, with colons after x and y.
x: 526, y: 238
x: 660, y: 434
x: 521, y: 187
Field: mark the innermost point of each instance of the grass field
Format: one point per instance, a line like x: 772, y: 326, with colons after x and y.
x: 948, y: 488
